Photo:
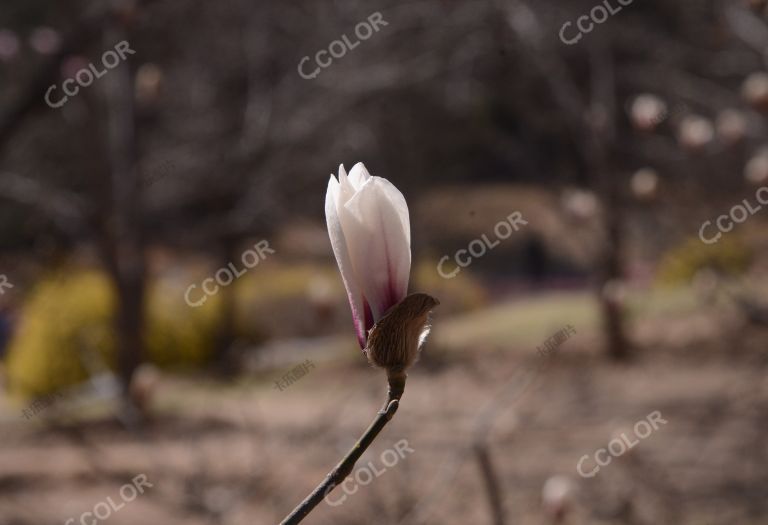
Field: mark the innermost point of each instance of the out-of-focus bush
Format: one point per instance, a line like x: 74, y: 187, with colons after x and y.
x: 729, y: 256
x: 64, y: 318
x: 66, y: 332
x: 288, y: 300
x: 180, y: 336
x: 308, y: 299
x: 462, y: 293
x: 66, y: 329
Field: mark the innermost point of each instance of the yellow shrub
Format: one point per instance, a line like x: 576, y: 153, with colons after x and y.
x: 67, y: 327
x: 62, y: 317
x: 729, y: 256
x: 460, y: 294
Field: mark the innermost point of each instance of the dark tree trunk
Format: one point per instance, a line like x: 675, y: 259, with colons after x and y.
x: 601, y: 151
x: 124, y: 235
x: 225, y: 358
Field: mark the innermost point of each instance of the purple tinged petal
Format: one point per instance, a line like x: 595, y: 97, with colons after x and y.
x: 376, y: 226
x: 340, y: 249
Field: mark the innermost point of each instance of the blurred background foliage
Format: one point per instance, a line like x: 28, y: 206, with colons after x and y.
x: 207, y: 140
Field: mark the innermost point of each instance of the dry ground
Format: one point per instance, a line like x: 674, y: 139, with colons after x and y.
x: 246, y: 454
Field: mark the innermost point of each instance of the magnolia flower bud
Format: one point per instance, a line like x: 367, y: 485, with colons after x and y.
x: 557, y: 496
x: 45, y: 40
x: 695, y: 132
x: 731, y: 125
x: 755, y: 90
x: 9, y: 45
x: 756, y: 170
x: 647, y: 111
x: 370, y: 233
x: 581, y: 204
x: 644, y: 184
x: 395, y: 340
x: 149, y: 80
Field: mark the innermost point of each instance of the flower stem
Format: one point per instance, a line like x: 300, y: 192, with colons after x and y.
x: 344, y: 467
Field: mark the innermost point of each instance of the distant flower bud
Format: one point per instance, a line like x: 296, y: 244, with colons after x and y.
x: 756, y: 170
x: 695, y: 132
x: 556, y: 496
x: 731, y: 125
x: 149, y: 79
x: 644, y: 184
x: 647, y: 112
x: 45, y: 40
x: 755, y: 90
x: 581, y: 204
x: 9, y: 45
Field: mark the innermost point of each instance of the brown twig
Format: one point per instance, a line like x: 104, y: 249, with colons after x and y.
x: 491, y: 481
x: 345, y: 466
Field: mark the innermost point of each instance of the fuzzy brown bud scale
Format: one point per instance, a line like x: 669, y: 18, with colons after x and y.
x: 395, y: 340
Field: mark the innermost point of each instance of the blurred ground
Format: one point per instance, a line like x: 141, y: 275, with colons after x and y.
x: 247, y: 453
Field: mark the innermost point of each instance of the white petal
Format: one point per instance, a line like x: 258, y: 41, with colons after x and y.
x: 340, y: 250
x: 346, y: 189
x: 377, y: 230
x: 358, y: 175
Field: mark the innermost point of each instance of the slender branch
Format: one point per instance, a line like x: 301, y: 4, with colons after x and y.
x: 345, y: 466
x: 491, y: 481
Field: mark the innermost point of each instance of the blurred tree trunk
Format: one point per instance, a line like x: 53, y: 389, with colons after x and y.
x: 125, y: 254
x: 225, y: 359
x: 610, y: 273
x: 602, y: 124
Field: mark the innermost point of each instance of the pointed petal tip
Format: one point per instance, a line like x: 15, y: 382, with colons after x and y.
x: 359, y: 170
